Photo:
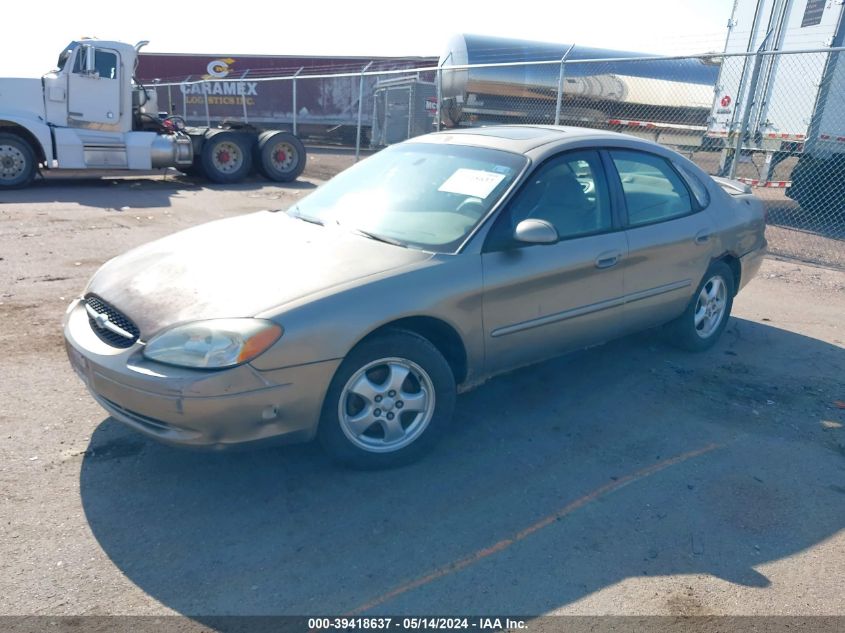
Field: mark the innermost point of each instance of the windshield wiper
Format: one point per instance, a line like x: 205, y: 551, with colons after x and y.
x: 379, y: 238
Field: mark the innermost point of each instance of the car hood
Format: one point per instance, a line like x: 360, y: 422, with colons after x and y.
x: 239, y: 267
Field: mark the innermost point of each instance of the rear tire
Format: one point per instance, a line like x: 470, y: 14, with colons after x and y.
x: 707, y: 314
x: 226, y: 157
x: 17, y: 162
x: 389, y: 403
x: 280, y: 156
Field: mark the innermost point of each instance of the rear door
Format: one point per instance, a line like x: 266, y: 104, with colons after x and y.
x: 543, y: 299
x: 669, y: 237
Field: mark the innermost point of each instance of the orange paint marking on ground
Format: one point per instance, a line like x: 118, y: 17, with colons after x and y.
x: 502, y: 545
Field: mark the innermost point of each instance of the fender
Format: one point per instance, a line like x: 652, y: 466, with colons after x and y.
x: 37, y: 128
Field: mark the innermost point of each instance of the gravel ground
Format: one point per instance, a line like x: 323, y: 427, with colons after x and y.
x: 626, y: 479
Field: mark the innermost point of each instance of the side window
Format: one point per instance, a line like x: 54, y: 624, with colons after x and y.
x: 569, y: 191
x: 105, y: 63
x: 653, y: 190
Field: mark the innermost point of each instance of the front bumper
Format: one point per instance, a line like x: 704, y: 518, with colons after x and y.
x: 212, y: 409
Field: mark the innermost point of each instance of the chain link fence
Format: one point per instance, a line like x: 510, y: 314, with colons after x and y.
x: 774, y: 120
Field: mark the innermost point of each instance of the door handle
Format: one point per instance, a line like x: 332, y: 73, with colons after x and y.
x: 607, y: 260
x: 702, y: 237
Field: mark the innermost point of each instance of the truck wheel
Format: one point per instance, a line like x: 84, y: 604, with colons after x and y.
x: 226, y: 157
x: 17, y: 162
x: 281, y: 156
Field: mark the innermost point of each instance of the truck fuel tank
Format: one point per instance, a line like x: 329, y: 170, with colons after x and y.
x: 171, y: 150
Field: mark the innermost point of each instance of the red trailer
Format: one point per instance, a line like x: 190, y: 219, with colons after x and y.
x: 260, y: 89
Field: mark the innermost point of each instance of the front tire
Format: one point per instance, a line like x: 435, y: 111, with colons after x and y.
x: 706, y: 316
x: 17, y: 162
x: 389, y: 403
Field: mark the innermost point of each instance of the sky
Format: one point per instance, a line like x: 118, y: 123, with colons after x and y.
x: 363, y: 27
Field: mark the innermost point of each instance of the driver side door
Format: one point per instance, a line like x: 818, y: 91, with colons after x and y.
x: 94, y: 89
x: 541, y: 300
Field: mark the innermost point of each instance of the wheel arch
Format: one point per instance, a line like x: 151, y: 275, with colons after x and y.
x: 35, y: 135
x: 732, y: 262
x: 436, y: 331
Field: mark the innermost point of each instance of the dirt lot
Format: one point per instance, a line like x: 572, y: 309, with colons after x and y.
x: 626, y: 479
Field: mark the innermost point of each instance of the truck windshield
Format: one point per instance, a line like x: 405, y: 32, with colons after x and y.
x: 65, y: 55
x: 420, y: 195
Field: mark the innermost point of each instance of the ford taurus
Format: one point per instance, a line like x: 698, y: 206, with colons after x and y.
x: 358, y: 314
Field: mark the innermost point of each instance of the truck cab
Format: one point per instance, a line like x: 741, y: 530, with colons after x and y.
x: 100, y: 117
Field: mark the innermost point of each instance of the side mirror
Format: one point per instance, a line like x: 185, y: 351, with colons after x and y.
x: 534, y: 231
x: 90, y: 68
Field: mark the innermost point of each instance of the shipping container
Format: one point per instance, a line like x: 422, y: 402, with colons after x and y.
x: 403, y: 108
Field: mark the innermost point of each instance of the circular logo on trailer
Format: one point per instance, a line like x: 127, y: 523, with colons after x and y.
x: 219, y: 68
x: 726, y: 101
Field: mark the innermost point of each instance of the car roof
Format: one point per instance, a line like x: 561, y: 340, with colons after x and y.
x: 522, y: 139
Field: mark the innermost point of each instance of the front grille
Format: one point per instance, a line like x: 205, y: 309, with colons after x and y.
x: 115, y: 317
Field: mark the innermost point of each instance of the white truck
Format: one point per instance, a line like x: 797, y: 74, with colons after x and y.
x: 786, y: 104
x: 90, y: 113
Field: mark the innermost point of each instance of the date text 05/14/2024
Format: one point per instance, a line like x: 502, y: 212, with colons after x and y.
x: 415, y: 623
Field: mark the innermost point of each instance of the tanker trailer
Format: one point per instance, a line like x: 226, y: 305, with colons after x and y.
x: 665, y: 98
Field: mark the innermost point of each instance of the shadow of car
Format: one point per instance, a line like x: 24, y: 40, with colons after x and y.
x: 560, y: 480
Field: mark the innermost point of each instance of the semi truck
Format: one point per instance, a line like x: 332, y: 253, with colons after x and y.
x: 91, y: 113
x: 775, y: 100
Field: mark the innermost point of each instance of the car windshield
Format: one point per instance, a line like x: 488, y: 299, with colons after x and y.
x: 419, y: 195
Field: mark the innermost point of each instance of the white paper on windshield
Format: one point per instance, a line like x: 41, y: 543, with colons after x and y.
x: 472, y: 182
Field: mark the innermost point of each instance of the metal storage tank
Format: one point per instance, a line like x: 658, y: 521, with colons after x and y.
x: 669, y: 91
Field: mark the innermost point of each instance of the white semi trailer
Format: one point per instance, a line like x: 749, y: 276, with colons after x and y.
x: 90, y: 113
x: 782, y: 102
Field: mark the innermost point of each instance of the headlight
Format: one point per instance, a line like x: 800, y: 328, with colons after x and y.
x: 213, y: 344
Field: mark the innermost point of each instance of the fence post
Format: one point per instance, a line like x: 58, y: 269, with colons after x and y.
x: 156, y: 83
x: 440, y: 89
x: 742, y: 132
x: 205, y: 98
x: 169, y: 101
x: 243, y: 96
x: 560, y: 83
x: 360, y: 111
x: 295, y: 75
x: 183, y: 88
